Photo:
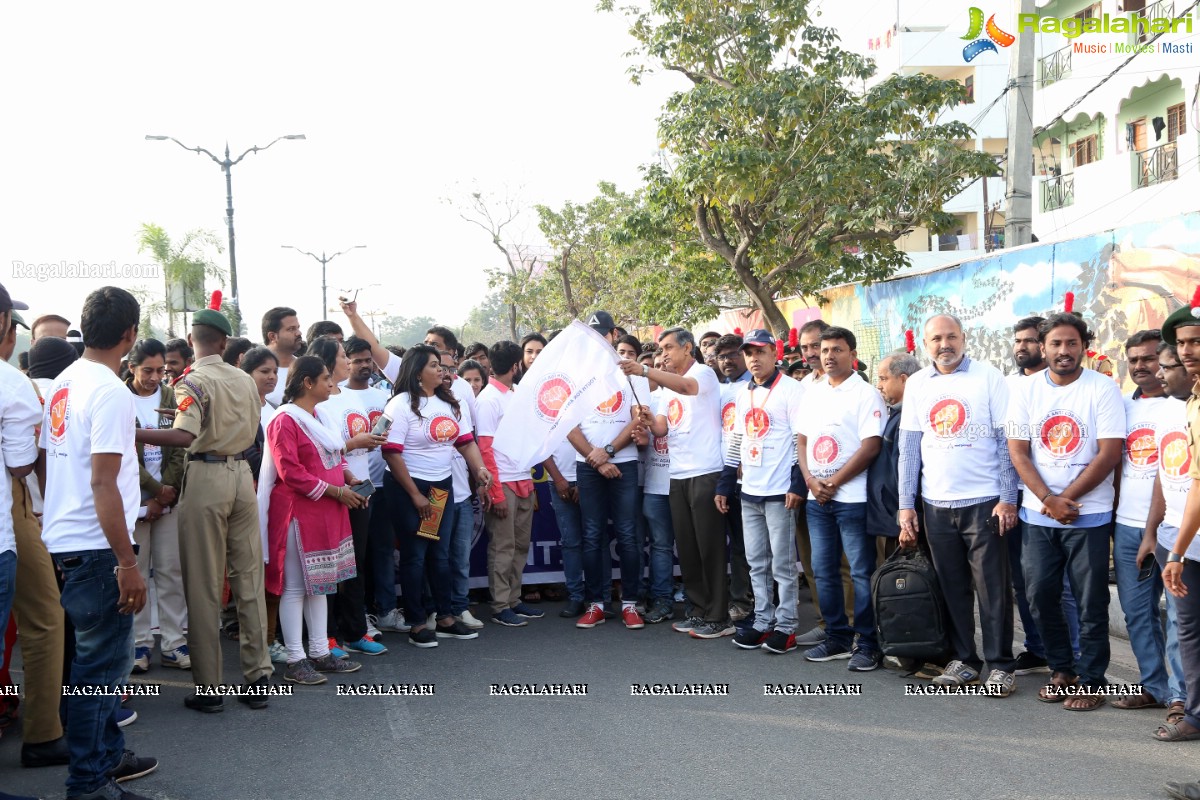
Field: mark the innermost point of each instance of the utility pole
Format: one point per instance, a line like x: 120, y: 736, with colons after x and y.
x: 323, y: 260
x: 1018, y: 180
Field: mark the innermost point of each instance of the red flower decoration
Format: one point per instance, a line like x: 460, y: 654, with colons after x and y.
x: 910, y: 341
x: 793, y: 338
x: 214, y: 302
x: 1069, y: 302
x: 779, y: 349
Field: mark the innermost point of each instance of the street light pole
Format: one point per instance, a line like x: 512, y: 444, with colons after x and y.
x: 323, y: 261
x: 226, y: 164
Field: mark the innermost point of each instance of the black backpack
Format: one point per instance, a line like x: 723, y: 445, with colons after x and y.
x: 910, y: 612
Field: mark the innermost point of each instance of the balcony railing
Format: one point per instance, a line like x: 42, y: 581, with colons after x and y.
x: 1058, y: 192
x: 1163, y: 8
x: 1056, y: 65
x: 1156, y: 165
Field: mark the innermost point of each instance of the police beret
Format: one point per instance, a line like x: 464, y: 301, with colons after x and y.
x: 213, y: 319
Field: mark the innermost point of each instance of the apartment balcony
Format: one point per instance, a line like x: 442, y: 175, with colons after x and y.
x: 1058, y: 192
x: 1055, y: 66
x: 1155, y: 165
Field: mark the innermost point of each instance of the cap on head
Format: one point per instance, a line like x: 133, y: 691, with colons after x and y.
x: 1182, y: 318
x: 17, y: 319
x: 8, y: 304
x: 758, y: 337
x: 213, y: 319
x: 602, y: 322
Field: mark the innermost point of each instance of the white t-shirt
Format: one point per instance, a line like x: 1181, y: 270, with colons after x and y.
x: 459, y: 469
x: 658, y: 454
x: 1140, y: 459
x: 1064, y: 425
x: 147, y: 416
x: 729, y: 395
x: 490, y: 405
x: 564, y: 458
x: 1016, y: 382
x: 275, y: 398
x: 88, y: 411
x: 1174, y: 463
x: 694, y: 425
x: 427, y: 442
x: 957, y: 415
x: 370, y: 402
x: 835, y: 421
x: 348, y: 417
x: 20, y: 412
x: 606, y: 422
x: 768, y: 420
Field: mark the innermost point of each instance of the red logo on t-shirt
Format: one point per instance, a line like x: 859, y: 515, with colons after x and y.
x: 1176, y: 456
x: 356, y: 423
x: 825, y: 450
x: 58, y: 415
x: 372, y: 418
x: 611, y: 406
x: 758, y: 423
x: 728, y: 415
x: 674, y: 412
x: 1062, y: 434
x: 443, y: 429
x: 1141, y: 449
x: 660, y: 445
x: 552, y: 394
x: 947, y: 417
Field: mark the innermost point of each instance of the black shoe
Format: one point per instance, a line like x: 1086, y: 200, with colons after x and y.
x: 255, y: 694
x: 661, y: 610
x: 207, y: 704
x: 574, y: 608
x: 455, y: 631
x: 750, y: 639
x: 109, y: 791
x: 131, y: 766
x: 424, y: 638
x: 1027, y: 664
x: 53, y: 753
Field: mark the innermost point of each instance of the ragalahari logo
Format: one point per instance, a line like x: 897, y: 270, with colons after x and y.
x: 995, y: 36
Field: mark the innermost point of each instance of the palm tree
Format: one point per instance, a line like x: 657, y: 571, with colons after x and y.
x: 185, y: 266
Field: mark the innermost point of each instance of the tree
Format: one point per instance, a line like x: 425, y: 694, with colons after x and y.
x: 487, y: 322
x: 185, y: 266
x: 404, y: 331
x: 784, y: 169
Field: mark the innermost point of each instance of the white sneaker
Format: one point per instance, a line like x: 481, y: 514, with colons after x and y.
x: 393, y: 621
x: 372, y: 632
x: 470, y: 620
x: 278, y: 652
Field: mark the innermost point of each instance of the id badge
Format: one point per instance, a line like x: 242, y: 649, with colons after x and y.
x: 752, y: 455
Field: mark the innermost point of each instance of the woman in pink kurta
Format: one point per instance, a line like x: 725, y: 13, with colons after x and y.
x: 303, y: 502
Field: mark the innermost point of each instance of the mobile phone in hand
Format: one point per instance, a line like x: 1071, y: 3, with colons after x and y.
x: 382, y: 425
x: 1147, y: 567
x: 366, y: 488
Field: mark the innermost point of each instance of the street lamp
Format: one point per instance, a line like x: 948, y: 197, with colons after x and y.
x: 324, y: 260
x: 226, y: 164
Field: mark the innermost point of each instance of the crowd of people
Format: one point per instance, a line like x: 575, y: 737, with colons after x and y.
x: 274, y: 491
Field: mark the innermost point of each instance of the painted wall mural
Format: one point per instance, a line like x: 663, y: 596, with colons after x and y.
x: 1124, y: 280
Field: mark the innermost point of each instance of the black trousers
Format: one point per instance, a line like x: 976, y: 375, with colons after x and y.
x: 971, y: 559
x: 347, y: 608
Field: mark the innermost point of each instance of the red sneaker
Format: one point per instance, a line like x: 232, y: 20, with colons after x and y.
x: 592, y: 617
x: 633, y: 620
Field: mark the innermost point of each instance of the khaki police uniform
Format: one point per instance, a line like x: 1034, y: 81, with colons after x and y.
x: 218, y: 516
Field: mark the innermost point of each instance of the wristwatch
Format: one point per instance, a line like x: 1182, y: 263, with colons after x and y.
x: 608, y: 448
x: 645, y: 370
x: 1174, y: 558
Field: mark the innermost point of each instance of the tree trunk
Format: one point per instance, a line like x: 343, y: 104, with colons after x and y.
x: 761, y: 296
x: 512, y: 320
x: 566, y: 282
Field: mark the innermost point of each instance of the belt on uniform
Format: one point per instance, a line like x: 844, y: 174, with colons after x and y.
x: 215, y: 458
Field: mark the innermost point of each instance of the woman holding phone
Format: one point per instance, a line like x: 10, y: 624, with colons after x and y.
x: 428, y: 424
x: 304, y: 492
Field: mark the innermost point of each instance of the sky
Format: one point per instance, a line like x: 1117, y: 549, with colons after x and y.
x: 407, y: 109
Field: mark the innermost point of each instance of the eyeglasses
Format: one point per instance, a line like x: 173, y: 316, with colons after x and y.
x: 451, y: 370
x: 728, y: 356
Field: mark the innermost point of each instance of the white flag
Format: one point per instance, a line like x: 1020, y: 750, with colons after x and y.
x: 573, y: 374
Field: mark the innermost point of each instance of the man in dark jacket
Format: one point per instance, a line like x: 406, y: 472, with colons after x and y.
x: 883, y: 476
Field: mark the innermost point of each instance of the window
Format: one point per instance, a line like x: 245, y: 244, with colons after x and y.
x: 969, y: 82
x: 1176, y: 122
x: 1132, y: 5
x: 1084, y: 151
x: 1089, y: 12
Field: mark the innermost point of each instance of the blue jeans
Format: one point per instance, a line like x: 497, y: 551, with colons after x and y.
x: 1082, y: 554
x: 832, y: 528
x: 381, y: 547
x: 421, y: 558
x: 769, y: 533
x: 1139, y: 601
x: 570, y: 531
x: 457, y: 549
x: 8, y: 588
x: 601, y: 499
x: 103, y: 657
x: 1176, y: 688
x: 657, y: 510
x: 1187, y: 616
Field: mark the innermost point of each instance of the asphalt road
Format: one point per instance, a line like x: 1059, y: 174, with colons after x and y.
x: 462, y: 742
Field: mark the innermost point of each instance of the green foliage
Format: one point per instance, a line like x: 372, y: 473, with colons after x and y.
x: 487, y: 322
x: 404, y: 331
x: 184, y: 263
x: 787, y: 172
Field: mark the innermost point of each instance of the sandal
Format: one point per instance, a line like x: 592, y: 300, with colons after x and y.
x: 532, y: 596
x: 1172, y: 732
x: 1084, y: 702
x: 1050, y: 693
x: 1135, y: 702
x: 1175, y: 712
